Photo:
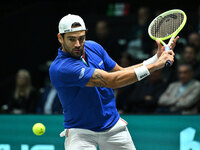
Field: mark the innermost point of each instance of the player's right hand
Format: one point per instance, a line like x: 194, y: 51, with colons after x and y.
x: 165, y: 56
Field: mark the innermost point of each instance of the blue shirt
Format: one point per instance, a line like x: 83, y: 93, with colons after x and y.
x: 92, y: 108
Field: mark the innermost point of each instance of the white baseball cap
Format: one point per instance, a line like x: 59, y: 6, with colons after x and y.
x: 65, y: 24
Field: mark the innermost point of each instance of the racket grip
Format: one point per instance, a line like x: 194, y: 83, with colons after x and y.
x: 168, y: 63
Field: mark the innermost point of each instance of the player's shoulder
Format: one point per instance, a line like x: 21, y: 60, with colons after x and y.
x: 60, y: 64
x: 94, y: 46
x: 90, y: 42
x: 53, y: 66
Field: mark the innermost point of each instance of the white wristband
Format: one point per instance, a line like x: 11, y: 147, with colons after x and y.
x: 141, y: 72
x: 150, y: 60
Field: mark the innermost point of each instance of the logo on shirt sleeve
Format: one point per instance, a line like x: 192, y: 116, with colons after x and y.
x: 101, y: 63
x: 82, y: 73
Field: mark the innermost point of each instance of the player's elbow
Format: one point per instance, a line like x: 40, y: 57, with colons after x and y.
x: 103, y: 79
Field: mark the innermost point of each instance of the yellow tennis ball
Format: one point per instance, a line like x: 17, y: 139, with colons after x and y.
x: 38, y: 129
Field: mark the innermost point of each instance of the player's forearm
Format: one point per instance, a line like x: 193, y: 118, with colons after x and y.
x: 121, y: 78
x: 119, y: 68
x: 145, y: 62
x: 127, y: 76
x: 132, y: 67
x: 116, y: 79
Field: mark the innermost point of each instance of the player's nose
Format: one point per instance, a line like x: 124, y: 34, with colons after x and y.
x: 77, y: 44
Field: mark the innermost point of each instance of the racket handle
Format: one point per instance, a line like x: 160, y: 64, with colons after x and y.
x: 168, y: 63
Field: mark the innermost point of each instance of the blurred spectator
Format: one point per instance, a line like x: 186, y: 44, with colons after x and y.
x: 24, y: 98
x: 49, y: 103
x: 194, y: 39
x: 190, y: 57
x: 139, y: 41
x: 181, y: 96
x: 146, y: 93
x: 126, y: 60
x: 109, y: 42
x: 121, y: 94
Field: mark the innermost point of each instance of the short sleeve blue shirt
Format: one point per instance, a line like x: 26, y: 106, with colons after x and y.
x: 92, y: 108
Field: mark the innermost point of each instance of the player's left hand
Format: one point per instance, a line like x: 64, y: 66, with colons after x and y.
x: 173, y: 44
x: 161, y: 48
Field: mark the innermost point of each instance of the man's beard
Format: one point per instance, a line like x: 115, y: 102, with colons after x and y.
x: 75, y: 52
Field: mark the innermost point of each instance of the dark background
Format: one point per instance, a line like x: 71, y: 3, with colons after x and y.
x: 29, y: 31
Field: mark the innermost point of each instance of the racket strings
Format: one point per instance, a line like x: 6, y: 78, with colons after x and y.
x: 164, y: 26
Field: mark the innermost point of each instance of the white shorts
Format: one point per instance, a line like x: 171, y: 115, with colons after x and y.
x: 116, y: 138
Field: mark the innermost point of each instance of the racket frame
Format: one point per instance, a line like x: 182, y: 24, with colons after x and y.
x: 174, y: 34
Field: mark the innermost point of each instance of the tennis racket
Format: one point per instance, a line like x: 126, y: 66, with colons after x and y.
x: 166, y: 26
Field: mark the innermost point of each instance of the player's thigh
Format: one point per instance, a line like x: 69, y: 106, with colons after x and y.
x: 80, y: 141
x: 120, y: 140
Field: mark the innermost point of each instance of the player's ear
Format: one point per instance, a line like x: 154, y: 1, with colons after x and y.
x: 60, y: 38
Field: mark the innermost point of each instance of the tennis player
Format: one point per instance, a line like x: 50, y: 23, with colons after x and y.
x: 84, y: 76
